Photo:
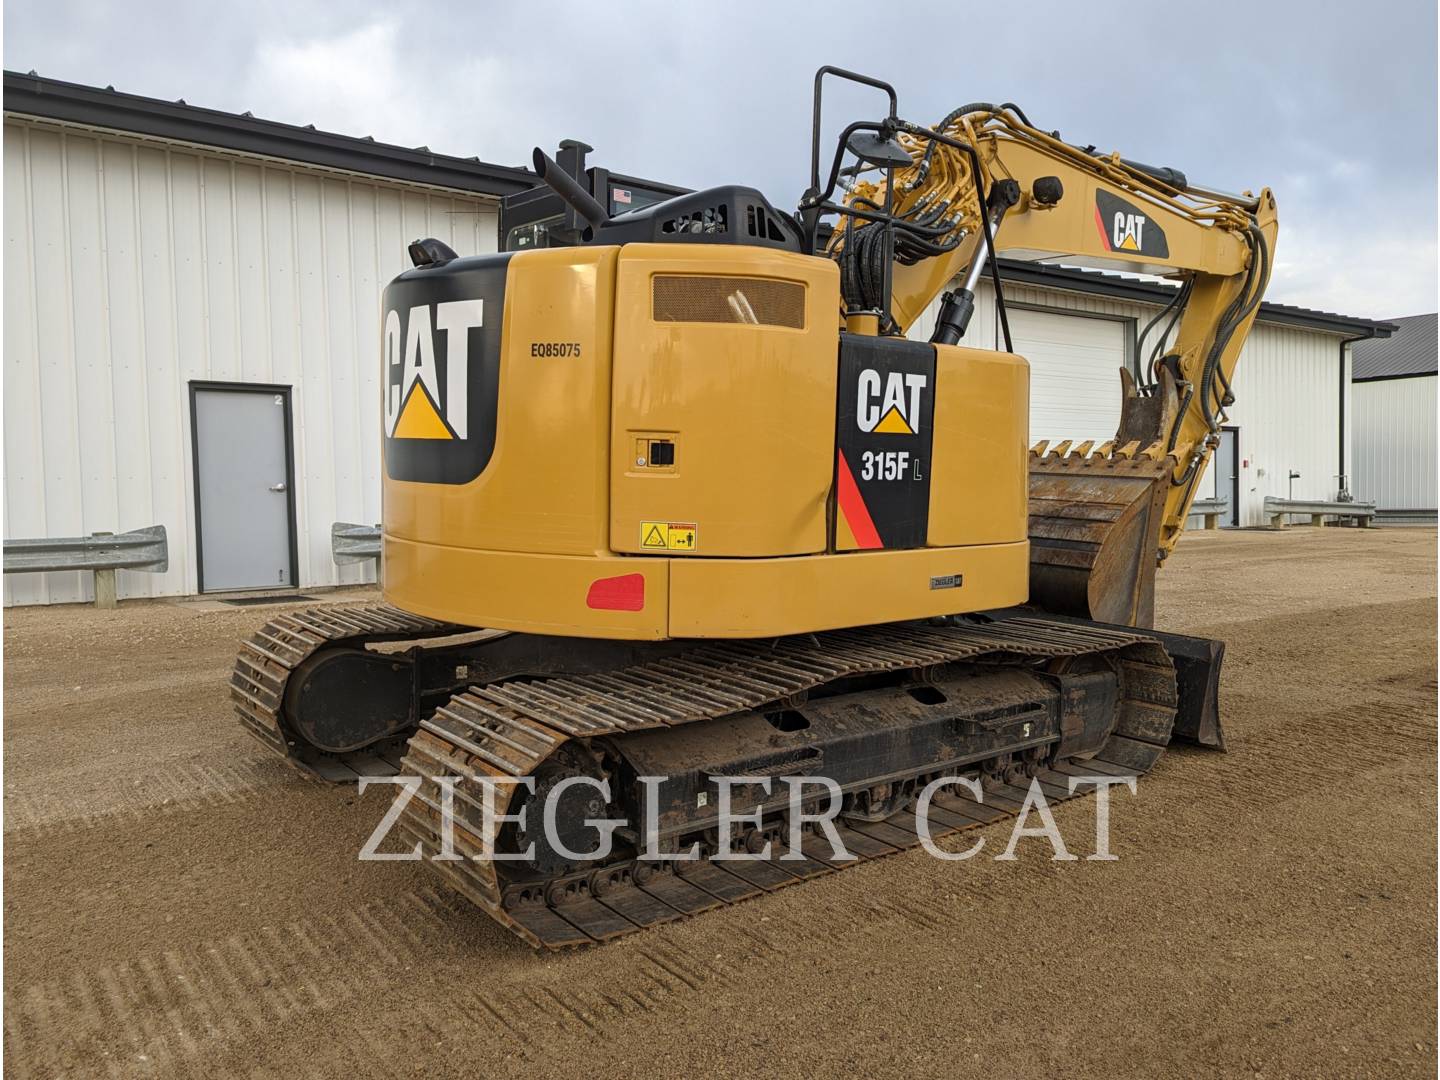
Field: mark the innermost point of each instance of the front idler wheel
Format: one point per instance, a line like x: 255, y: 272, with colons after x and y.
x: 573, y: 806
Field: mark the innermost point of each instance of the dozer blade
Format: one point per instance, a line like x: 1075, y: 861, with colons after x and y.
x: 1095, y: 517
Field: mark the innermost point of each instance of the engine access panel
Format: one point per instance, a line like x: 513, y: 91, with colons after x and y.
x: 722, y: 401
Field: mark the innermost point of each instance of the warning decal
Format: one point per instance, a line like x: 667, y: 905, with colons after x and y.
x: 667, y: 535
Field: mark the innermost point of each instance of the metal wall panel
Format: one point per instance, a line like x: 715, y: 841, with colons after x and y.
x: 1287, y: 407
x: 1074, y: 382
x: 134, y: 266
x: 1395, y: 441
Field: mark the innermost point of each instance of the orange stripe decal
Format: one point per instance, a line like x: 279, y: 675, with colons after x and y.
x: 1100, y: 224
x: 852, y: 505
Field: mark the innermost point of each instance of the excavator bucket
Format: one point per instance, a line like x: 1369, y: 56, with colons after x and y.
x: 1096, y: 513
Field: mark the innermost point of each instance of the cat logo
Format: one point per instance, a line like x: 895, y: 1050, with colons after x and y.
x: 1128, y: 229
x: 440, y: 369
x: 889, y: 405
x: 1125, y: 227
x: 419, y: 405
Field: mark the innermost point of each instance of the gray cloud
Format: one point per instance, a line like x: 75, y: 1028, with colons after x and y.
x: 1333, y: 108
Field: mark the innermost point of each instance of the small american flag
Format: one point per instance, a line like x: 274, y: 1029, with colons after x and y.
x: 621, y: 195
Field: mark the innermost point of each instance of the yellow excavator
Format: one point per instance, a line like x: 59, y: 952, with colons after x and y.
x: 683, y: 501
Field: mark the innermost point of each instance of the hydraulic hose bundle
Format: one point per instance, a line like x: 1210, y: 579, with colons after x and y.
x: 936, y: 204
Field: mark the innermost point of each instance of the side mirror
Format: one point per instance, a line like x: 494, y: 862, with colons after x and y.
x: 887, y: 153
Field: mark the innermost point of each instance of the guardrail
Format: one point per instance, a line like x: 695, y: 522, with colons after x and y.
x: 351, y: 543
x: 1404, y: 517
x: 102, y: 552
x: 1276, y: 511
x: 1210, y: 510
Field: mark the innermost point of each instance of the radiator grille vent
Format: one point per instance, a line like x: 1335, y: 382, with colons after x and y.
x: 758, y: 301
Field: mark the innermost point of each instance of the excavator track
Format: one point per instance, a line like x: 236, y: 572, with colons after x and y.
x: 272, y: 656
x: 493, y: 733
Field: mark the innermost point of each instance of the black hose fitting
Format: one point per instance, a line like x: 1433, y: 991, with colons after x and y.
x: 956, y: 308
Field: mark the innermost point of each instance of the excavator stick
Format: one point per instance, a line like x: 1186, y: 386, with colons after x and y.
x: 1096, y: 513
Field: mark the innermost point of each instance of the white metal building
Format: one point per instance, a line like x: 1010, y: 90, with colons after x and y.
x: 152, y: 250
x: 164, y: 263
x: 1076, y: 327
x: 1394, y: 398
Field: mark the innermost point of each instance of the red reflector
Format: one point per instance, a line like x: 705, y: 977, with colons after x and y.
x: 623, y: 593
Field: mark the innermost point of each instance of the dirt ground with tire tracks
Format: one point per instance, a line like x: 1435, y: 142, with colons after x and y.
x: 178, y: 903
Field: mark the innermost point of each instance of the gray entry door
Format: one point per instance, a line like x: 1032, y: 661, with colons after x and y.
x: 1227, y: 473
x: 243, y: 500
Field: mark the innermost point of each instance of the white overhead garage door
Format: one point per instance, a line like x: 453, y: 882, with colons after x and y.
x: 1074, y: 373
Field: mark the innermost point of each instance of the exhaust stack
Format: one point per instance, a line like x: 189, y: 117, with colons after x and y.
x: 569, y: 189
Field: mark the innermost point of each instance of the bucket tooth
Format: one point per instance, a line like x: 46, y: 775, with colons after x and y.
x: 1154, y: 451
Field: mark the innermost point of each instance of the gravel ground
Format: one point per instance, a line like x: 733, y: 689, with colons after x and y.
x: 178, y: 903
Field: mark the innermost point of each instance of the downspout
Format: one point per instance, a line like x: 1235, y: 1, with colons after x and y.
x: 1340, y: 470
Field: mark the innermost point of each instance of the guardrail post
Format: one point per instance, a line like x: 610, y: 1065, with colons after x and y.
x: 102, y: 553
x: 104, y: 584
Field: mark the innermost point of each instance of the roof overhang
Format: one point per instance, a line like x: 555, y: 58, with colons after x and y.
x: 1397, y: 375
x: 1150, y: 292
x: 52, y: 99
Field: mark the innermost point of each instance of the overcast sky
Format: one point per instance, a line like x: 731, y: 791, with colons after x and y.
x: 1331, y: 104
